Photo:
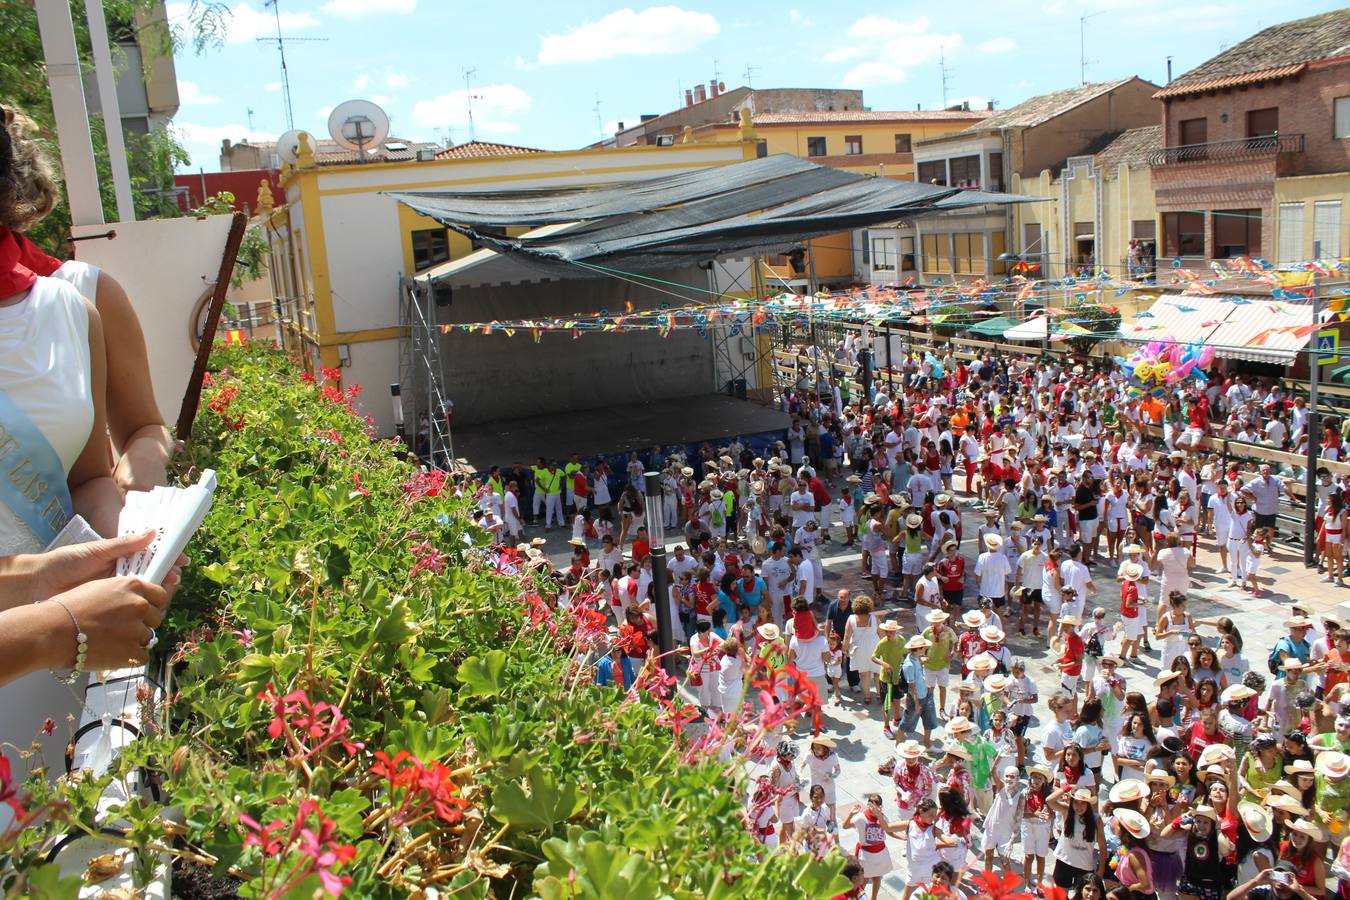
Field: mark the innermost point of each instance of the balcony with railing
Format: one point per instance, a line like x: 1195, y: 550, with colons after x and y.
x: 1261, y: 147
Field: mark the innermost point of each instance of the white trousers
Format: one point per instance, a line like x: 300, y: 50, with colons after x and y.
x: 552, y: 506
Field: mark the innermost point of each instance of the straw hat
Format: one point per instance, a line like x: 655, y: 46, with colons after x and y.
x: 1162, y: 678
x: 1257, y: 820
x: 1083, y: 794
x: 993, y: 541
x: 768, y: 631
x: 995, y: 683
x: 889, y: 627
x: 1308, y: 828
x: 1132, y: 571
x: 827, y: 743
x: 910, y: 750
x: 853, y: 479
x: 949, y: 544
x: 687, y: 471
x: 973, y: 619
x: 942, y: 499
x: 1215, y: 753
x: 1288, y: 790
x: 1070, y: 619
x: 937, y: 616
x: 537, y: 542
x: 1132, y: 822
x: 1299, y: 767
x: 1292, y: 663
x: 990, y: 512
x: 1209, y: 772
x: 758, y: 545
x: 1205, y: 812
x: 992, y: 634
x: 716, y: 493
x: 1160, y: 776
x: 1236, y: 693
x: 983, y: 662
x: 913, y: 520
x: 1333, y: 764
x: 956, y: 750
x: 871, y: 498
x: 758, y: 461
x: 1285, y: 803
x: 959, y: 725
x: 1298, y: 622
x: 1040, y: 770
x: 724, y: 460
x: 1133, y: 548
x: 757, y: 487
x: 918, y: 642
x: 577, y: 542
x: 1128, y: 790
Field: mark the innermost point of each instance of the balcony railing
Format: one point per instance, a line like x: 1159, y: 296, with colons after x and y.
x: 1244, y: 148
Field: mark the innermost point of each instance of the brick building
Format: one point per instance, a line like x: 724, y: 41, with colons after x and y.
x: 1255, y: 156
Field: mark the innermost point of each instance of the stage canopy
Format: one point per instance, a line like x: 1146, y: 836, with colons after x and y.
x: 1249, y: 328
x: 757, y: 206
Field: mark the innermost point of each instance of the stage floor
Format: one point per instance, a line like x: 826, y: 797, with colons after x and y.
x: 616, y: 429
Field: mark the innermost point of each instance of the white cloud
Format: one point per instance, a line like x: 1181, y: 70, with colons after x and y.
x: 202, y: 142
x: 624, y: 32
x: 797, y: 17
x: 190, y: 94
x: 997, y: 45
x: 889, y: 48
x: 359, y: 82
x: 355, y: 9
x: 494, y: 105
x: 324, y: 112
x: 396, y: 80
x: 272, y: 87
x: 975, y: 101
x: 244, y: 23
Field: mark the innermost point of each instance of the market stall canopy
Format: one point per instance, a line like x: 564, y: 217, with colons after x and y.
x: 1250, y: 328
x: 992, y: 327
x: 1034, y: 329
x: 762, y: 205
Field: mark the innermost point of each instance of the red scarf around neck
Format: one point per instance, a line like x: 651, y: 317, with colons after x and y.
x: 21, y: 262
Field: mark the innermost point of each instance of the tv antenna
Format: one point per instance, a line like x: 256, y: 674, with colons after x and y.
x: 248, y: 110
x: 281, y: 43
x: 470, y: 96
x: 942, y: 66
x: 1082, y: 43
x: 599, y: 123
x: 749, y: 74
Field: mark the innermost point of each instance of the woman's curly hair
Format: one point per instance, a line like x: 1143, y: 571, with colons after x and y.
x: 28, y: 185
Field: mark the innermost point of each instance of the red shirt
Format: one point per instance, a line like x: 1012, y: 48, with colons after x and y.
x: 705, y: 594
x: 819, y: 491
x: 641, y: 550
x: 952, y: 573
x: 1071, y: 662
x: 1197, y: 740
x: 1129, y: 600
x: 579, y: 487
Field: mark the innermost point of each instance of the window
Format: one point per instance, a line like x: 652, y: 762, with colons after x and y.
x: 1327, y: 229
x: 902, y: 143
x: 815, y: 146
x: 937, y: 253
x: 1143, y: 230
x: 1031, y: 239
x: 998, y: 245
x: 1341, y: 114
x: 962, y: 252
x: 1084, y: 247
x: 1263, y: 122
x: 883, y: 254
x: 853, y: 145
x: 934, y: 172
x: 995, y: 172
x: 1193, y: 131
x: 966, y: 172
x: 1290, y: 241
x: 430, y: 246
x: 1184, y: 234
x: 1237, y: 232
x: 907, y: 254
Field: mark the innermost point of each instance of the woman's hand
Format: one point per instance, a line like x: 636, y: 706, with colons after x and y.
x: 115, y: 614
x: 38, y: 576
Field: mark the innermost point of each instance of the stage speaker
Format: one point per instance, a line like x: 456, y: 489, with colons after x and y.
x: 443, y: 294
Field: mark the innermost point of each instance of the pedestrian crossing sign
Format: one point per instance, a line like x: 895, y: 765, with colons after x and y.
x: 1328, y: 346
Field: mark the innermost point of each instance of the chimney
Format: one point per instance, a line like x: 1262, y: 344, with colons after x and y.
x: 712, y: 87
x: 700, y: 93
x: 965, y: 106
x: 989, y: 106
x: 688, y: 98
x: 620, y: 128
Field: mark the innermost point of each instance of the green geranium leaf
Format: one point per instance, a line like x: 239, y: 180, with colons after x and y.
x: 483, y: 676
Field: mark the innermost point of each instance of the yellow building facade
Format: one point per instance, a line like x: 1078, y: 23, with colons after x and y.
x: 1311, y: 218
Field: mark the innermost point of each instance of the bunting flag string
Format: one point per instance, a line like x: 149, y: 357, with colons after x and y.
x: 965, y: 303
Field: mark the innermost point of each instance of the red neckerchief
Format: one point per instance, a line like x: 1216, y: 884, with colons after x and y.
x: 21, y: 262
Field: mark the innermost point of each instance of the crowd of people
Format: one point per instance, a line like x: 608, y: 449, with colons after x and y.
x: 1202, y: 774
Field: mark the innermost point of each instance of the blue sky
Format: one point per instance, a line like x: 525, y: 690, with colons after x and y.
x: 541, y: 68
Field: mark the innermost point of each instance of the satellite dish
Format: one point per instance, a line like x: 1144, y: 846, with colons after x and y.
x: 288, y: 145
x: 358, y: 125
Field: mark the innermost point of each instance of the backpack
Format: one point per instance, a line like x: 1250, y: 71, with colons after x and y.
x: 717, y: 516
x: 1273, y: 661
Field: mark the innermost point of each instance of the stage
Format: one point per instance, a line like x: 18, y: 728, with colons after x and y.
x: 615, y: 431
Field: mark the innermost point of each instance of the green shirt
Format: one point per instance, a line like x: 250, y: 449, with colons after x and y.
x: 982, y: 755
x: 892, y: 651
x: 549, y: 482
x: 940, y: 654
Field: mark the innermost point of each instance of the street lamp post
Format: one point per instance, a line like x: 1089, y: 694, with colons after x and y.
x: 656, y: 535
x: 396, y: 395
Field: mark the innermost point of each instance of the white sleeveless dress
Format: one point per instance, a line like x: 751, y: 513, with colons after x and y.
x: 864, y: 642
x: 45, y: 370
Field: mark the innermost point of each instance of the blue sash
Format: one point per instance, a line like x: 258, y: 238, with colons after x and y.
x: 32, y: 478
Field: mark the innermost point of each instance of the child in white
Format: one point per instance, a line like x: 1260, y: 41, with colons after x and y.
x: 1000, y: 826
x: 823, y: 767
x: 1035, y: 817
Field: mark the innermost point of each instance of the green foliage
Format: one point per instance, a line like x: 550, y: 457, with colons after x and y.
x: 1103, y: 322
x: 330, y: 569
x: 152, y: 157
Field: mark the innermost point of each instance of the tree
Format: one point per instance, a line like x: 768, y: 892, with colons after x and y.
x: 152, y: 157
x: 1100, y: 321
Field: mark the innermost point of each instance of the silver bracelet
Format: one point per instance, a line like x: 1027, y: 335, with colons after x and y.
x: 81, y: 649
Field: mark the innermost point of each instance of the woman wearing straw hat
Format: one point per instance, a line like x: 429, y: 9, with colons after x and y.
x: 1133, y: 868
x: 1132, y: 617
x: 1204, y: 875
x: 1081, y: 849
x: 1304, y: 848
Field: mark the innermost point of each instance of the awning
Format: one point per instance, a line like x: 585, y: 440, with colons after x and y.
x: 761, y: 205
x: 1085, y: 237
x: 992, y: 327
x: 1250, y: 328
x: 1032, y: 330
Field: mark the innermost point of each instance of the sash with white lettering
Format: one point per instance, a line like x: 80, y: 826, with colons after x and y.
x: 32, y: 478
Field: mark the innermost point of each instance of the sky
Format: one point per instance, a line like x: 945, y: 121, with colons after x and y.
x: 561, y: 75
